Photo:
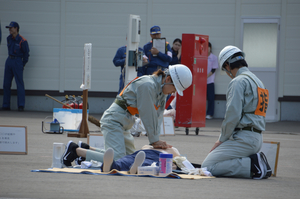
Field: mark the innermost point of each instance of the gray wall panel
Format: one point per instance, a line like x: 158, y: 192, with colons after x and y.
x: 57, y: 30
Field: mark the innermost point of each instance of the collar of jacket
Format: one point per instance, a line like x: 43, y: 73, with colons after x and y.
x: 157, y: 80
x: 242, y: 70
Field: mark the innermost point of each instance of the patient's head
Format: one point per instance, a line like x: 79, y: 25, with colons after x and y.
x: 172, y: 150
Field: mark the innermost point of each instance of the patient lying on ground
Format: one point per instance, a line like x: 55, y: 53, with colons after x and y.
x: 144, y: 157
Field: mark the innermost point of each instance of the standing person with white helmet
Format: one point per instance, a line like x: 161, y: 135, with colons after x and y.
x: 235, y: 154
x: 145, y: 96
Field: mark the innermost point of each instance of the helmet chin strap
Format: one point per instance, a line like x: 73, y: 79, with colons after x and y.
x: 167, y: 74
x: 231, y: 60
x: 231, y: 75
x: 166, y: 83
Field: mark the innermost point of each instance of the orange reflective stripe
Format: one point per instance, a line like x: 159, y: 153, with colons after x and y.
x: 132, y: 110
x: 263, y: 100
x: 127, y: 85
x: 22, y: 40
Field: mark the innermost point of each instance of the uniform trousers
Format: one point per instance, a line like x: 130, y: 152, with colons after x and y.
x: 121, y: 80
x: 231, y: 158
x: 210, y: 99
x: 13, y: 69
x: 115, y: 126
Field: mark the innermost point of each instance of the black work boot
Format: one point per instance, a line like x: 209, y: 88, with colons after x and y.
x: 258, y: 166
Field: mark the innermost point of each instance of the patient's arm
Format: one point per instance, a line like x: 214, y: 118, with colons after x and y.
x: 172, y: 150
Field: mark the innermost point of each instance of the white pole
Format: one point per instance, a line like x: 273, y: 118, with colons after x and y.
x: 87, y: 66
x: 133, y: 39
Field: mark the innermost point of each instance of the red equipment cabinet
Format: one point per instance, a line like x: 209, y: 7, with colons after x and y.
x: 191, y: 107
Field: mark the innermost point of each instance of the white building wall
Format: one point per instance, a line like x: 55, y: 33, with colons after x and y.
x: 292, y: 50
x: 40, y: 24
x: 215, y: 18
x: 57, y: 30
x: 104, y: 24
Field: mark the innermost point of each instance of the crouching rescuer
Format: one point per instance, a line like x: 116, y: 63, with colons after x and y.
x: 145, y: 96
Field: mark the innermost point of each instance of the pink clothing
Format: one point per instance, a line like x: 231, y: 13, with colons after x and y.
x: 212, y: 63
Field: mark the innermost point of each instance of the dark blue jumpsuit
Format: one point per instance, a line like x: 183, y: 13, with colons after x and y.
x: 119, y: 60
x: 0, y: 34
x: 18, y: 53
x: 162, y: 60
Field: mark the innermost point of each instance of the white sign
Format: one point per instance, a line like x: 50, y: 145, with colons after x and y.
x: 271, y: 150
x: 160, y: 44
x: 13, y: 139
x: 167, y: 127
x: 87, y: 65
x: 96, y: 141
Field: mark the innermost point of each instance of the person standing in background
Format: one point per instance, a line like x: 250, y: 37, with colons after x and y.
x: 153, y: 57
x: 176, y: 59
x: 212, y: 65
x: 18, y: 54
x: 176, y: 52
x: 119, y: 60
x: 0, y: 33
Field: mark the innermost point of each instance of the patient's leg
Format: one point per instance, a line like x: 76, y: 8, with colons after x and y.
x: 133, y: 161
x: 108, y: 159
x: 138, y: 161
x: 81, y: 152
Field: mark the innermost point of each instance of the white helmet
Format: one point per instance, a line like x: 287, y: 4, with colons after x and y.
x: 227, y: 53
x: 181, y: 77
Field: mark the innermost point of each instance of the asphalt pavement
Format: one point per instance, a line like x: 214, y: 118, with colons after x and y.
x: 17, y: 180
